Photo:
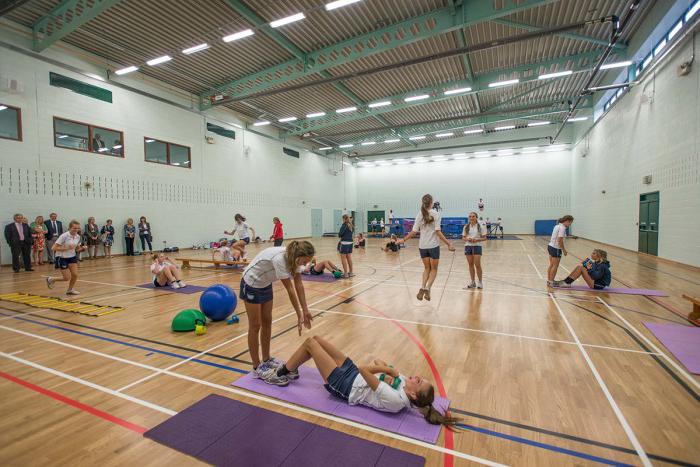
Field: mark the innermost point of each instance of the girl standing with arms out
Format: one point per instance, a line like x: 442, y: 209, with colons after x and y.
x: 92, y: 237
x: 66, y: 249
x: 129, y: 236
x: 428, y: 225
x: 107, y: 233
x: 556, y: 247
x: 39, y: 231
x: 243, y: 230
x: 472, y: 234
x: 277, y: 234
x: 346, y: 244
x: 270, y: 265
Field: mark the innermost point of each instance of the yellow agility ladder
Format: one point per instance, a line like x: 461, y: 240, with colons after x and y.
x: 53, y: 303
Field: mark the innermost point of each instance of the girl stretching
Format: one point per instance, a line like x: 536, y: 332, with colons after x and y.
x: 317, y: 268
x: 346, y: 243
x: 67, y: 247
x: 472, y: 236
x: 166, y: 272
x: 595, y: 271
x: 390, y: 392
x: 270, y: 265
x: 556, y: 247
x: 428, y: 225
x: 243, y: 233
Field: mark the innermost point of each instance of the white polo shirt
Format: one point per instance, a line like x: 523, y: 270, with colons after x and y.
x: 473, y: 232
x: 242, y: 229
x: 67, y: 240
x: 558, y: 232
x: 384, y: 399
x: 267, y: 267
x: 428, y: 232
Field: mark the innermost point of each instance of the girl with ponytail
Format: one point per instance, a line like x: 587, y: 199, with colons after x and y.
x: 345, y: 245
x: 270, y: 265
x: 556, y: 247
x: 428, y: 225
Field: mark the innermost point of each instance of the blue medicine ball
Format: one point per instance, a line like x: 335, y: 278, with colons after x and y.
x: 218, y: 302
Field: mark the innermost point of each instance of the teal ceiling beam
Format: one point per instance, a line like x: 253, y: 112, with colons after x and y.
x: 405, y: 32
x: 578, y: 63
x: 568, y: 35
x: 65, y: 18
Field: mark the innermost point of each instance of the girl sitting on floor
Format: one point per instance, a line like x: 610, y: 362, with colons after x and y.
x: 392, y: 244
x: 594, y: 270
x: 360, y: 241
x: 389, y: 392
x: 166, y: 272
x: 317, y: 268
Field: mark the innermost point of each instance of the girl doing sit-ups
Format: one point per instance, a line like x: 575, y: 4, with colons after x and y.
x: 317, y: 268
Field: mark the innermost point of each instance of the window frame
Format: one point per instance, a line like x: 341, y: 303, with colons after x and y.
x: 19, y: 123
x: 90, y: 134
x: 167, y: 153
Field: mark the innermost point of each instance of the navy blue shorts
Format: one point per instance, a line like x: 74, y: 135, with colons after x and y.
x: 598, y: 286
x: 156, y: 284
x: 254, y: 295
x: 278, y: 241
x: 472, y: 250
x: 341, y: 378
x: 314, y: 271
x: 246, y: 240
x: 432, y: 253
x: 62, y: 263
x: 554, y: 252
x: 345, y: 249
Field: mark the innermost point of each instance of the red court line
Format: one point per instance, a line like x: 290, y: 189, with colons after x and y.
x: 78, y: 405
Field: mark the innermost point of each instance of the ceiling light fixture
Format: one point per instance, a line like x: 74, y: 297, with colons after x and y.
x: 261, y: 123
x: 506, y: 127
x: 316, y: 114
x: 608, y: 66
x: 417, y: 138
x: 196, y: 48
x: 126, y: 70
x: 344, y: 146
x: 346, y: 109
x: 238, y: 35
x: 450, y: 92
x: 339, y: 4
x: 416, y: 98
x: 374, y: 105
x: 577, y: 119
x: 159, y: 60
x: 369, y: 143
x: 325, y: 149
x: 538, y: 123
x: 557, y: 74
x: 473, y: 132
x: 389, y: 141
x: 289, y: 19
x: 504, y: 83
x: 444, y: 135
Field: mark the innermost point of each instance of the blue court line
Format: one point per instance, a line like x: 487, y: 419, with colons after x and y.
x: 549, y: 447
x: 128, y: 344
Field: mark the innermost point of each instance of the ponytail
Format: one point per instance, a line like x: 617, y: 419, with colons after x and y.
x: 239, y: 218
x: 295, y: 250
x: 424, y: 403
x: 568, y: 217
x: 426, y: 204
x: 346, y: 220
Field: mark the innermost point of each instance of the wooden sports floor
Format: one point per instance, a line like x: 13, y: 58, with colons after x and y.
x: 539, y: 378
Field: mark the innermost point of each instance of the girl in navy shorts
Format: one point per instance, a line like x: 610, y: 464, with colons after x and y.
x: 473, y: 234
x: 317, y: 268
x: 67, y: 247
x: 556, y: 247
x: 345, y: 245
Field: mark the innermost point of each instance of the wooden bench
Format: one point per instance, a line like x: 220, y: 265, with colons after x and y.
x: 694, y: 316
x: 216, y: 262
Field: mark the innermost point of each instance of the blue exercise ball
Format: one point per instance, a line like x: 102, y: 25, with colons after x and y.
x: 218, y: 302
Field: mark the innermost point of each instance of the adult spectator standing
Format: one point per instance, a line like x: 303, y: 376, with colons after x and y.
x: 54, y: 229
x: 277, y: 233
x: 19, y: 237
x: 145, y: 234
x: 129, y: 235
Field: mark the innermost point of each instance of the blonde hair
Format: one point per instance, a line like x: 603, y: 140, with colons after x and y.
x: 426, y: 204
x: 424, y: 402
x: 465, y: 231
x: 297, y: 249
x: 346, y: 220
x: 602, y: 253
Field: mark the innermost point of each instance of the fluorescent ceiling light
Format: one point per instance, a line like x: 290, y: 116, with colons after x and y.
x: 369, y: 143
x: 286, y: 119
x: 66, y: 136
x: 238, y: 35
x: 416, y: 98
x: 577, y: 119
x: 261, y: 123
x: 694, y: 9
x: 346, y: 146
x: 416, y: 138
x: 450, y: 92
x: 472, y: 132
x: 444, y: 135
x: 506, y: 127
x: 325, y: 149
x: 118, y: 146
x: 126, y: 70
x: 150, y: 140
x: 379, y: 104
x: 339, y: 4
x: 538, y: 123
x: 389, y: 141
x: 159, y: 60
x: 555, y: 75
x: 607, y: 66
x: 103, y: 149
x: 196, y: 48
x: 317, y: 114
x: 504, y: 83
x: 346, y: 109
x: 289, y: 19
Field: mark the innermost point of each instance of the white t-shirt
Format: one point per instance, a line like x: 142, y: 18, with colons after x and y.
x: 473, y: 233
x: 428, y: 232
x: 225, y: 253
x: 385, y: 398
x: 68, y: 240
x: 558, y: 232
x: 270, y: 265
x: 242, y: 229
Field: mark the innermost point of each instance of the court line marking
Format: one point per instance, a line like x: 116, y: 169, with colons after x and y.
x: 245, y: 334
x: 523, y: 246
x: 673, y: 363
x: 23, y: 314
x: 535, y: 267
x: 616, y: 409
x: 272, y: 401
x: 98, y: 387
x: 482, y: 331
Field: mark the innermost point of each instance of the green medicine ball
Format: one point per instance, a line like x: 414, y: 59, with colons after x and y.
x: 186, y: 320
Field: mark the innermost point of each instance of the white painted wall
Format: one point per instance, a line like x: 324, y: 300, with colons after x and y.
x: 185, y: 206
x: 520, y: 188
x: 653, y: 130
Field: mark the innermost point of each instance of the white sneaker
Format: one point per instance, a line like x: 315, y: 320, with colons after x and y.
x: 50, y: 281
x: 471, y: 285
x: 174, y: 285
x: 479, y: 285
x: 268, y: 374
x: 72, y: 292
x: 182, y: 284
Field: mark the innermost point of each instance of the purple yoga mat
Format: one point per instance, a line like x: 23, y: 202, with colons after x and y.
x: 189, y: 289
x: 682, y: 341
x: 319, y: 278
x: 227, y: 432
x: 308, y: 391
x: 650, y: 292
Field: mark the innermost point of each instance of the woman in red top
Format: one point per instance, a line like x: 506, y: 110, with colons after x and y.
x: 277, y: 234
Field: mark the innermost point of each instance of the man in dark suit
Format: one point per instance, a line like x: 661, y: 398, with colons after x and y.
x: 54, y: 228
x: 19, y: 238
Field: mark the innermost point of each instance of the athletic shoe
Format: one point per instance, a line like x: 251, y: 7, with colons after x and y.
x: 174, y: 285
x: 72, y: 292
x: 257, y: 371
x: 293, y: 375
x: 469, y: 286
x: 421, y: 293
x: 269, y: 375
x: 50, y: 282
x: 273, y: 362
x: 479, y: 285
x: 182, y: 284
x: 561, y: 284
x: 351, y: 274
x: 426, y: 294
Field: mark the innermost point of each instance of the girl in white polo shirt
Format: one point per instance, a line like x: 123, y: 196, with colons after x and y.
x: 66, y: 248
x: 428, y: 225
x: 556, y: 247
x: 473, y: 234
x: 270, y: 265
x: 243, y: 230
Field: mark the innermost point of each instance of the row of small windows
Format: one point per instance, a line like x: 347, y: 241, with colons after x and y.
x: 69, y: 134
x: 656, y: 51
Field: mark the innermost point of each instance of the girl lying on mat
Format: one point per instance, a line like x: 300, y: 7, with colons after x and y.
x: 166, y: 272
x: 594, y: 270
x: 317, y: 268
x: 388, y: 392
